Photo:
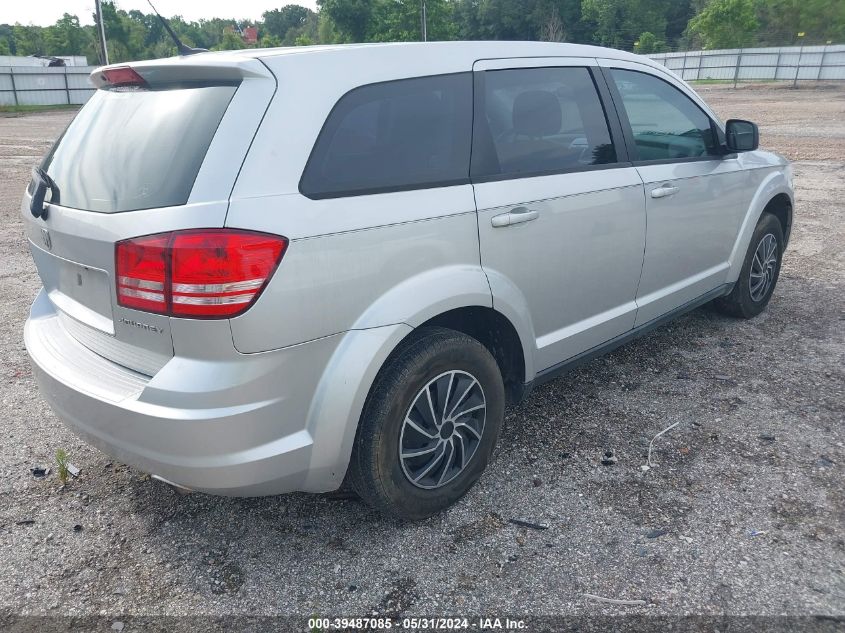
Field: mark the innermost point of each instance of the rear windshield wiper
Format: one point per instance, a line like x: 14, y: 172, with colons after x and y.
x: 43, y: 182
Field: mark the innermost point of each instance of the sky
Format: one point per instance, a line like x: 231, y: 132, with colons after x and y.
x: 46, y: 12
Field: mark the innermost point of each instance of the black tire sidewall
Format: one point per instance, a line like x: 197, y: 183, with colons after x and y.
x: 380, y: 479
x: 739, y: 302
x: 768, y: 224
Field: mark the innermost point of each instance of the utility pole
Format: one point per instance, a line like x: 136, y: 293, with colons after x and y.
x: 424, y: 23
x: 101, y: 30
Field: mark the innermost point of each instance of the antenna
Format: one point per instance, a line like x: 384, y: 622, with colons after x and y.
x: 180, y: 46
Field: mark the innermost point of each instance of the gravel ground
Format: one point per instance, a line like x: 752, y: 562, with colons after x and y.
x: 745, y: 513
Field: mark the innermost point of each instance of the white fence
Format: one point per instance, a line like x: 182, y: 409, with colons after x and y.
x: 791, y: 63
x: 34, y: 85
x: 38, y: 85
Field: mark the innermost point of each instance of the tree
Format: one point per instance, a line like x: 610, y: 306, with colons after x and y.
x: 508, y: 20
x: 726, y: 24
x: 351, y: 18
x: 326, y: 31
x: 677, y: 19
x: 231, y: 41
x: 29, y: 40
x: 819, y: 20
x: 66, y: 37
x: 618, y: 23
x: 279, y: 21
x: 401, y: 21
x: 552, y: 30
x: 649, y: 43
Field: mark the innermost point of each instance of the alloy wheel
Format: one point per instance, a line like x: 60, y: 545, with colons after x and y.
x: 763, y: 267
x: 442, y: 429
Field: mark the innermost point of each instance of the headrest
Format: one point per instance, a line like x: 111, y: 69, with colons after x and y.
x: 537, y: 113
x: 422, y: 109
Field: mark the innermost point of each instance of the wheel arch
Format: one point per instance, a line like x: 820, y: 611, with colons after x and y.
x: 773, y: 195
x: 781, y: 207
x: 349, y: 378
x: 493, y: 330
x: 456, y: 297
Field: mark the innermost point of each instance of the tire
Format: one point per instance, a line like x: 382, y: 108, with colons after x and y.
x: 434, y: 362
x: 748, y: 297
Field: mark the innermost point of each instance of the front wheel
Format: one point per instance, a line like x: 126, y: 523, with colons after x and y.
x: 429, y: 425
x: 760, y: 271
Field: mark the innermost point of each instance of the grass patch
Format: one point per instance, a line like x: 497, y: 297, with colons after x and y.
x: 17, y: 109
x: 62, y: 462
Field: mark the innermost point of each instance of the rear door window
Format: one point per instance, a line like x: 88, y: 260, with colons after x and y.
x: 131, y: 150
x: 667, y: 124
x: 394, y: 136
x: 535, y: 121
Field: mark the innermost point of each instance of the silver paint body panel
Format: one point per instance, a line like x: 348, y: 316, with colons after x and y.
x: 269, y: 402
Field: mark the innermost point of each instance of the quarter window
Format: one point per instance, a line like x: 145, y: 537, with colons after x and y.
x: 539, y: 120
x: 666, y: 123
x: 398, y: 135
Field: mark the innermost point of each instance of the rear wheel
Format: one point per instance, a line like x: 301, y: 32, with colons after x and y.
x: 429, y: 425
x: 760, y: 271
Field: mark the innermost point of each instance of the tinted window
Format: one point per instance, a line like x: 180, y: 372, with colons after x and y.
x: 395, y: 135
x: 666, y: 123
x: 136, y: 150
x: 538, y: 120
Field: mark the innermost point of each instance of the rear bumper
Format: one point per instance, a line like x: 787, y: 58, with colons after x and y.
x: 233, y: 426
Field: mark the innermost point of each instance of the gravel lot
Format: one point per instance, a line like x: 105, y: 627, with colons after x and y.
x: 745, y: 513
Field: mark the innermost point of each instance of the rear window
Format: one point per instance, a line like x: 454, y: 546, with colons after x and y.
x: 127, y: 151
x: 399, y: 135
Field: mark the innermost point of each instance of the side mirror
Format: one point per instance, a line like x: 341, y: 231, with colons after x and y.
x: 742, y: 136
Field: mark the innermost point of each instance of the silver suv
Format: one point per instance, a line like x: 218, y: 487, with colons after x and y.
x: 279, y: 270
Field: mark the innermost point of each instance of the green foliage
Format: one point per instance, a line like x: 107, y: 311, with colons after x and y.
x: 618, y: 23
x: 656, y: 24
x: 820, y: 21
x: 352, y: 18
x: 279, y: 21
x: 649, y: 43
x: 231, y: 42
x: 726, y: 24
x: 61, y: 464
x: 29, y: 40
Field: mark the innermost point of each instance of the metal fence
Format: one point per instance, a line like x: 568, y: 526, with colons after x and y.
x: 39, y: 85
x: 789, y: 63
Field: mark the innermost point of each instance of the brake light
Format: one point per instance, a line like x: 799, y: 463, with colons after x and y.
x: 123, y: 76
x: 208, y: 273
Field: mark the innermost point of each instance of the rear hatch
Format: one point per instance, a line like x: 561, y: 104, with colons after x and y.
x: 156, y: 149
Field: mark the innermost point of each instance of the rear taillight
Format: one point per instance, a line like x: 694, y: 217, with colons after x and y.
x: 209, y: 273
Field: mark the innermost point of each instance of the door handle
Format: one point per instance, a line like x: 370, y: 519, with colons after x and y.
x: 664, y: 192
x: 515, y: 216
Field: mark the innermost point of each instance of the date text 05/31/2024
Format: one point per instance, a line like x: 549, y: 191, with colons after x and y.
x: 417, y: 624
